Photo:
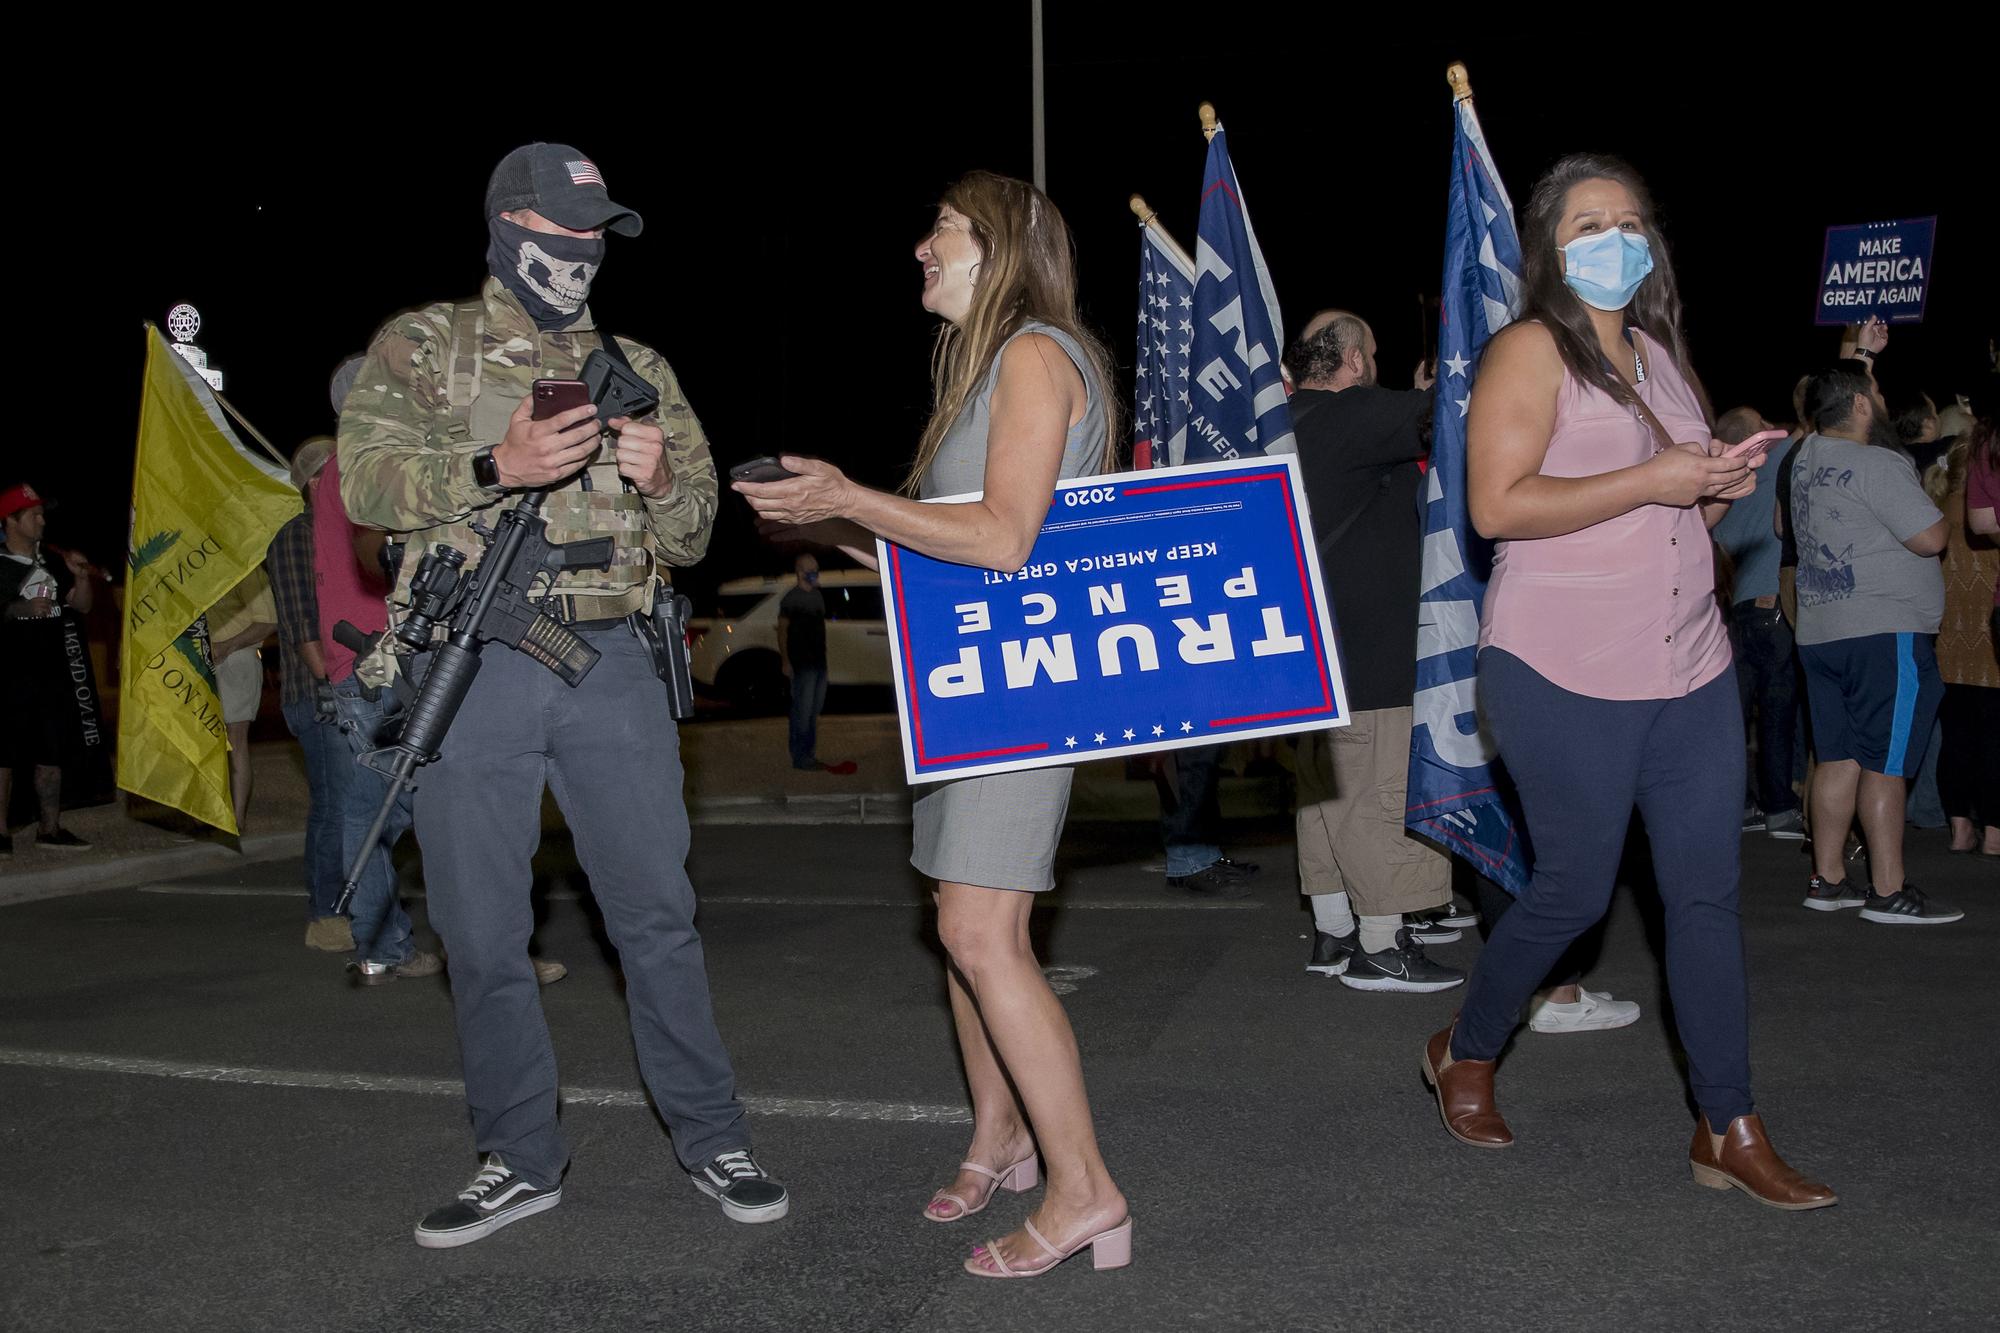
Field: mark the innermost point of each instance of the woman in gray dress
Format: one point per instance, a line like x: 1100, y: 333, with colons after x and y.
x: 1021, y: 403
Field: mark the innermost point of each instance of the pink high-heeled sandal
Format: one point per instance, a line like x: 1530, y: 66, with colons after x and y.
x: 1023, y: 1175
x: 1108, y: 1249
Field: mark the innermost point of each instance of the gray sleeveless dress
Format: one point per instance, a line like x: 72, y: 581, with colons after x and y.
x: 1000, y: 832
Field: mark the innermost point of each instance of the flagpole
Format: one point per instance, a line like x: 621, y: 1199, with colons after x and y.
x: 1148, y: 218
x: 1209, y: 124
x: 1460, y: 81
x: 255, y: 434
x: 1041, y: 120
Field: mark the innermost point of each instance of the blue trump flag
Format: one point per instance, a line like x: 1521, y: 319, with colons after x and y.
x: 1238, y: 407
x: 1160, y: 393
x: 1453, y: 799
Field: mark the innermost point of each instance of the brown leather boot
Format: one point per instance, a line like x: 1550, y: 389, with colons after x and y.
x: 1465, y: 1095
x: 1742, y: 1156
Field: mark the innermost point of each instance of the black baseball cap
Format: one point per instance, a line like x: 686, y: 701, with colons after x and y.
x: 561, y: 184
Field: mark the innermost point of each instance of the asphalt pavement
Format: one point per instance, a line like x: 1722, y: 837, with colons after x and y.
x: 204, y: 1128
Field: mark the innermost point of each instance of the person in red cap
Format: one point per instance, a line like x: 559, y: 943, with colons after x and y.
x: 37, y: 587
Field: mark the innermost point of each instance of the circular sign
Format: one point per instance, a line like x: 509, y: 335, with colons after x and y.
x: 184, y: 321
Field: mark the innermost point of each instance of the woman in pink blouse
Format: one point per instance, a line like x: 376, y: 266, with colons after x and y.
x: 1604, y: 667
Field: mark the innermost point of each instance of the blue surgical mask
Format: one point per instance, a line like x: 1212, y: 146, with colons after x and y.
x: 1605, y: 269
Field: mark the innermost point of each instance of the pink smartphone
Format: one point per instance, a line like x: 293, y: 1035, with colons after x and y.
x: 1757, y: 441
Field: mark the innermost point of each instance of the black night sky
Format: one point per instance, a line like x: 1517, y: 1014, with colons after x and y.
x: 301, y: 197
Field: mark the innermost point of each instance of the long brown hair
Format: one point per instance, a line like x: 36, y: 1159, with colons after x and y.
x: 1984, y: 434
x: 1027, y: 271
x: 1655, y: 308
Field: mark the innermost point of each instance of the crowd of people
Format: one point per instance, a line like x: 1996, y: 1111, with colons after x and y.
x: 1689, y: 617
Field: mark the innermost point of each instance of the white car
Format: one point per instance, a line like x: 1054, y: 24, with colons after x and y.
x: 736, y: 650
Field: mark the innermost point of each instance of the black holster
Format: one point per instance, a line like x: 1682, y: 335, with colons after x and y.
x: 664, y: 631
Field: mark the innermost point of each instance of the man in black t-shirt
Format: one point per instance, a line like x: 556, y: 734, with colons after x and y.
x: 1360, y: 447
x: 802, y: 655
x: 38, y: 594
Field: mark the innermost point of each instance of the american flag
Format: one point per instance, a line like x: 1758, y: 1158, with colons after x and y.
x: 1166, y: 337
x: 584, y: 172
x: 1239, y: 408
x: 1453, y: 799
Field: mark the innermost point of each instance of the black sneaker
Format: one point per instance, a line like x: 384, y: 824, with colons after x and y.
x: 746, y: 1193
x: 62, y: 840
x: 1753, y: 819
x: 1212, y: 882
x: 495, y: 1197
x: 1824, y: 897
x: 1430, y: 927
x: 1403, y: 968
x: 1908, y: 908
x: 1456, y: 913
x: 1240, y: 869
x: 1331, y: 952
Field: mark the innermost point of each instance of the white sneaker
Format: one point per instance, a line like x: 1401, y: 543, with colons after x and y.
x: 1595, y: 1012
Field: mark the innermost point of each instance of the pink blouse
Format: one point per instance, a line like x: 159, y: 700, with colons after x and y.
x: 1623, y: 609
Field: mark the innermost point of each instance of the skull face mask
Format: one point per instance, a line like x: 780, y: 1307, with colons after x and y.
x: 550, y: 275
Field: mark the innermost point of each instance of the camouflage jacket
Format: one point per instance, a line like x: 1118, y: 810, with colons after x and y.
x: 408, y: 433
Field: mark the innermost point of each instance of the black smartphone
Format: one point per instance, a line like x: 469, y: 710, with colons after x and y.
x: 761, y: 469
x: 555, y: 397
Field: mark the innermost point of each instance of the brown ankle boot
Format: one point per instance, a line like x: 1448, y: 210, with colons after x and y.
x: 1742, y: 1156
x: 1465, y: 1095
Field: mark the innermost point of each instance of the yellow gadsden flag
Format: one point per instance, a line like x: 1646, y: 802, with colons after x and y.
x: 203, y: 511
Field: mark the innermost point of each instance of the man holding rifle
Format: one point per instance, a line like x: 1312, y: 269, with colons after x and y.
x: 439, y: 428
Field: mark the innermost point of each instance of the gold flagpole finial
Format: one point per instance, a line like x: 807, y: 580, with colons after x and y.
x: 1142, y: 210
x: 1460, y: 81
x: 1209, y: 124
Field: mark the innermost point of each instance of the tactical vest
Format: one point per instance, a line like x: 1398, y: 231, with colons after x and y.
x: 594, y: 503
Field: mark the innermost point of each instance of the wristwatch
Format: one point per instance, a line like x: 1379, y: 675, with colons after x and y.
x: 485, y: 471
x: 1866, y: 354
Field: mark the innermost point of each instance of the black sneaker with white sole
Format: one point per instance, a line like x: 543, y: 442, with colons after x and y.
x: 1402, y: 968
x: 1824, y: 897
x: 1456, y: 913
x: 1331, y: 952
x: 1431, y: 927
x: 744, y: 1189
x: 1908, y: 907
x: 495, y: 1197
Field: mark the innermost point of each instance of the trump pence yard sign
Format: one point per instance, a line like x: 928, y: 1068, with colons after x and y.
x: 1160, y: 609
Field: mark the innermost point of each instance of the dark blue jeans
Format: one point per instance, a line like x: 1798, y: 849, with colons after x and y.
x: 1580, y: 765
x: 323, y: 747
x: 381, y: 926
x: 808, y: 698
x: 1767, y: 677
x: 1189, y: 825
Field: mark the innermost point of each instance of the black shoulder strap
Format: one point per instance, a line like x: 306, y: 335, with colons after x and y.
x: 609, y: 341
x: 1332, y: 539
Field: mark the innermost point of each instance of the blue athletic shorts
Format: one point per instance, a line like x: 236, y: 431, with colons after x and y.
x: 1873, y: 699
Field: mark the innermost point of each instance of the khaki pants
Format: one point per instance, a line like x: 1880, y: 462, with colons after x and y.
x: 1353, y: 785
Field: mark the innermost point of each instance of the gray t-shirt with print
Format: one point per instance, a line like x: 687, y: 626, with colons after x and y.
x: 1853, y: 507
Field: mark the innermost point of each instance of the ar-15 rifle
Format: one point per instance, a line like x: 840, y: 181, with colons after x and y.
x: 489, y: 605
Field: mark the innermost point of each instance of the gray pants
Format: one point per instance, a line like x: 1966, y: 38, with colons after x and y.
x: 611, y: 754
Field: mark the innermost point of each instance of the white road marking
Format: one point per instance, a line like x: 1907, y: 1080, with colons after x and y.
x: 763, y: 900
x: 817, y: 1108
x: 1063, y: 977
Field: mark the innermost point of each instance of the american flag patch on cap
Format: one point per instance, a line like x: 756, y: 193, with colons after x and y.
x: 584, y: 172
